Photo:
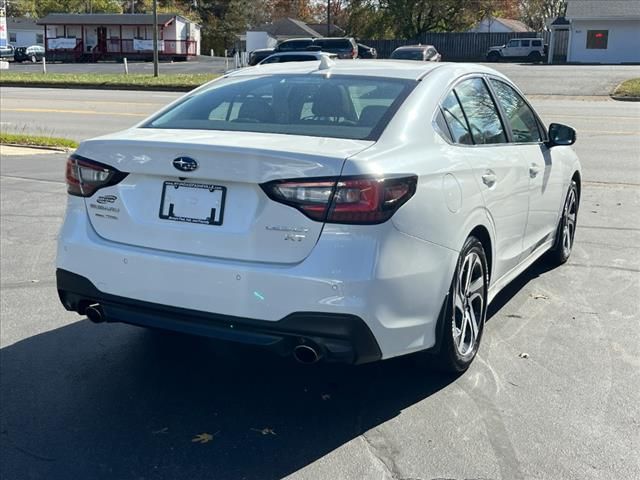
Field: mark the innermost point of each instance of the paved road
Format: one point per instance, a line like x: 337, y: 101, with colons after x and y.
x: 113, y: 401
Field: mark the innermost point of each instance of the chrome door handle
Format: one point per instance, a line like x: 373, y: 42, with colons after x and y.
x: 489, y: 178
x: 534, y: 170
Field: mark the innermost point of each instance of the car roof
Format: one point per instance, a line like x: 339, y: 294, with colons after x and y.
x: 306, y: 39
x: 402, y: 69
x: 415, y: 47
x: 302, y: 52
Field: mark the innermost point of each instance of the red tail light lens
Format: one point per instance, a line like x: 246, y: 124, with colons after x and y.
x: 352, y: 200
x: 85, y: 177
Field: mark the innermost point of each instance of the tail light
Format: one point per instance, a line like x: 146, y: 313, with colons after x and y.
x: 354, y: 53
x: 85, y: 177
x: 352, y: 200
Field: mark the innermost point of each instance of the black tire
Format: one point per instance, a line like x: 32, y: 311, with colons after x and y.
x: 493, y: 57
x: 566, y: 231
x: 464, y: 307
x: 535, y: 57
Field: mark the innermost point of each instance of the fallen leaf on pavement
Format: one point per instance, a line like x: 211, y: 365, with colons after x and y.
x: 538, y: 296
x: 524, y: 355
x: 203, y: 438
x: 264, y: 431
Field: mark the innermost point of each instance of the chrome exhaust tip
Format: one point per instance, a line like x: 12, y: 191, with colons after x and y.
x: 94, y: 313
x: 306, y: 354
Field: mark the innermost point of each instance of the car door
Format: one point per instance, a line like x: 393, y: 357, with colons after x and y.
x: 499, y: 170
x: 512, y: 49
x: 546, y: 188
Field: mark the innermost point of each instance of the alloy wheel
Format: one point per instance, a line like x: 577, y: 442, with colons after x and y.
x: 569, y: 222
x: 468, y: 307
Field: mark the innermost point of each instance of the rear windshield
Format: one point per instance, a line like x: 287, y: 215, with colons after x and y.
x: 294, y: 45
x: 314, y: 105
x: 334, y: 43
x: 407, y: 55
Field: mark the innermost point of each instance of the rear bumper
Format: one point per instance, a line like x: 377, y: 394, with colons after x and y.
x: 395, y: 283
x: 340, y: 337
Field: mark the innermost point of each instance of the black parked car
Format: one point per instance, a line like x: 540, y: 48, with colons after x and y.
x: 365, y: 51
x: 256, y: 56
x: 343, y: 47
x: 33, y: 54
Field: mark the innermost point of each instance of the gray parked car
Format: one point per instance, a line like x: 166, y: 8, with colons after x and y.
x: 6, y: 52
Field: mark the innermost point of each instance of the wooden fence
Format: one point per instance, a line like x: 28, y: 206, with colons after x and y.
x: 468, y: 46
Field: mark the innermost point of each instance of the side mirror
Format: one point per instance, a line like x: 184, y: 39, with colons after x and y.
x: 560, y: 134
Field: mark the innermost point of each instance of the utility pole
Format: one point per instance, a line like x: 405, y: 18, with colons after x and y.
x: 328, y: 18
x: 155, y: 38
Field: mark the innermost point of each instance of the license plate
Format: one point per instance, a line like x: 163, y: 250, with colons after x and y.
x: 193, y: 202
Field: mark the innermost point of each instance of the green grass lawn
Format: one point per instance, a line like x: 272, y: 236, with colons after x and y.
x: 630, y: 88
x: 36, y: 140
x: 178, y: 81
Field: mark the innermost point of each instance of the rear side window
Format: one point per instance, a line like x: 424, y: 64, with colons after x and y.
x: 525, y: 43
x: 294, y: 45
x: 456, y: 121
x: 339, y: 106
x: 480, y: 111
x: 523, y: 122
x: 334, y: 43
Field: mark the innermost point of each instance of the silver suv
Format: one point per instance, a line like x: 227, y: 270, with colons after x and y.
x: 529, y: 49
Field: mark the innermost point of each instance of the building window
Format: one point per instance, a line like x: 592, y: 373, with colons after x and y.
x: 39, y: 38
x: 597, y: 39
x: 12, y: 37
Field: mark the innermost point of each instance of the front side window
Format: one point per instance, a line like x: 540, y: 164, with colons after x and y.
x: 480, y: 111
x: 314, y: 105
x: 597, y: 39
x: 524, y: 125
x: 513, y: 43
x: 456, y: 121
x: 537, y: 43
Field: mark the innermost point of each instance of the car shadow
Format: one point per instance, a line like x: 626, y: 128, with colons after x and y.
x: 116, y: 401
x: 539, y: 267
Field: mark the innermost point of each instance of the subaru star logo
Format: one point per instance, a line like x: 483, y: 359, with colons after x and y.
x: 185, y: 164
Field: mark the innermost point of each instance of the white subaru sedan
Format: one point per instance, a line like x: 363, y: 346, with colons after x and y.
x: 337, y: 211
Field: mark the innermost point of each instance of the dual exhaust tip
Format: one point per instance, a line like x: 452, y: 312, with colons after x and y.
x: 307, y: 354
x: 95, y: 313
x: 304, y: 353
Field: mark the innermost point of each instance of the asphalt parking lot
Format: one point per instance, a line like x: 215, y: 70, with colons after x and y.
x: 80, y: 400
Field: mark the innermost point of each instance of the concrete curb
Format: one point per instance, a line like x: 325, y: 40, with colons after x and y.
x: 38, y: 147
x: 155, y: 88
x: 625, y: 99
